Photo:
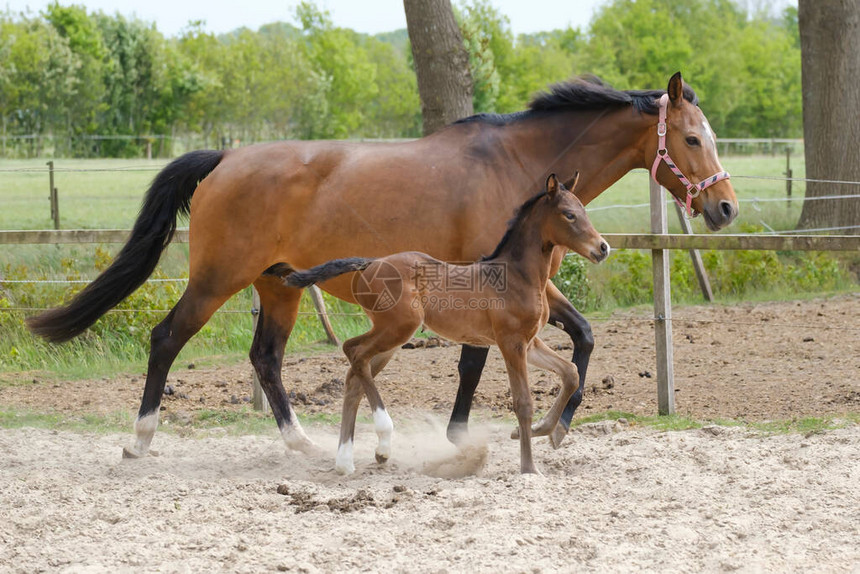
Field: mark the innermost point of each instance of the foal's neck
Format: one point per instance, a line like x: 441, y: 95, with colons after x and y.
x: 526, y: 252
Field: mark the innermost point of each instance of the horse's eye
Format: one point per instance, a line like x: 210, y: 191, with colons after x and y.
x: 570, y: 217
x: 693, y: 141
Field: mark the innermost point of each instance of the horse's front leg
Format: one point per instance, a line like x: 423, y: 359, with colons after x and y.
x: 564, y: 315
x: 472, y: 361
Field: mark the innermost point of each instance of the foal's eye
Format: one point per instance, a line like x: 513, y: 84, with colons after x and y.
x: 693, y: 141
x: 569, y: 216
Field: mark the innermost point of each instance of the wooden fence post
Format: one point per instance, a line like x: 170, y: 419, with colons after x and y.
x: 54, y: 198
x: 788, y: 176
x: 258, y: 397
x: 698, y: 265
x: 662, y: 306
x: 322, y: 314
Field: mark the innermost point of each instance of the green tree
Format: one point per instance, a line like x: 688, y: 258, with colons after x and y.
x: 39, y: 81
x: 347, y: 74
x: 131, y: 75
x: 85, y: 42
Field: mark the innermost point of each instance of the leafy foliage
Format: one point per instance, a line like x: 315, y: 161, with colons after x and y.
x: 75, y: 75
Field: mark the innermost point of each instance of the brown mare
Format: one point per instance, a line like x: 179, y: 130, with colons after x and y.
x: 301, y: 203
x: 500, y: 300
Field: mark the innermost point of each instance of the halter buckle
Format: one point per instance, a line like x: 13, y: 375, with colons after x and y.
x: 661, y: 129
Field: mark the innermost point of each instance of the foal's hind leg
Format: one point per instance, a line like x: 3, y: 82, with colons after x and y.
x: 194, y: 308
x: 368, y: 355
x: 540, y: 355
x: 381, y: 421
x: 279, y: 306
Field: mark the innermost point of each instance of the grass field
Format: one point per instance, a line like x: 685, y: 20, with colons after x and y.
x: 106, y: 194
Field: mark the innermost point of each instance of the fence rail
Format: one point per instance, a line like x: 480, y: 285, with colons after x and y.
x: 616, y: 240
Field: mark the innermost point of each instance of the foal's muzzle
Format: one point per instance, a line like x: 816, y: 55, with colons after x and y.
x: 601, y: 252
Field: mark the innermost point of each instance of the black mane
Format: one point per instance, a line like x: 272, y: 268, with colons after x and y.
x: 519, y: 216
x: 583, y: 93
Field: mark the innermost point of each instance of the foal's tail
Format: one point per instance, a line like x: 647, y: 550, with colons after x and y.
x: 168, y: 196
x: 326, y: 271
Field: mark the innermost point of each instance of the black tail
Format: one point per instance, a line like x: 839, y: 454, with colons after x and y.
x: 168, y: 196
x: 326, y: 271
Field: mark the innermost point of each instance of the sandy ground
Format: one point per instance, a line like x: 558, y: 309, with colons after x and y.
x: 614, y: 497
x: 753, y: 361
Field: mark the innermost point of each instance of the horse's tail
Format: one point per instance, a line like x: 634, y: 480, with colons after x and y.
x: 168, y: 196
x: 326, y: 271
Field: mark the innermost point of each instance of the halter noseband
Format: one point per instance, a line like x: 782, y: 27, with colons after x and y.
x: 693, y: 189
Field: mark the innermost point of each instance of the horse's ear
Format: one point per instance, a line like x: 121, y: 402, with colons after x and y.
x: 571, y: 183
x: 552, y: 184
x: 676, y: 88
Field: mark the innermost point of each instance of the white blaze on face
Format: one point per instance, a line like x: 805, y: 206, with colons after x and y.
x: 712, y: 138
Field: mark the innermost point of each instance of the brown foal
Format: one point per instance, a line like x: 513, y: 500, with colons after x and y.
x: 500, y: 300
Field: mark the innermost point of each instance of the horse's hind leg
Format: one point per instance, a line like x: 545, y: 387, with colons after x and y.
x: 541, y: 356
x: 564, y: 315
x: 279, y: 306
x: 470, y: 367
x: 194, y: 308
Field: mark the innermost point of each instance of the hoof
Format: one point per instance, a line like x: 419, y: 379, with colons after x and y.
x: 557, y: 435
x: 381, y: 458
x: 457, y: 433
x: 345, y: 469
x: 302, y: 444
x: 531, y: 472
x: 131, y: 454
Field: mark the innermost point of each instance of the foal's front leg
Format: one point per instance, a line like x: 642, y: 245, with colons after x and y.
x: 541, y: 356
x: 514, y: 353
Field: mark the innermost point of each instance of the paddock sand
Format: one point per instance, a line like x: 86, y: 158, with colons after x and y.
x: 614, y: 498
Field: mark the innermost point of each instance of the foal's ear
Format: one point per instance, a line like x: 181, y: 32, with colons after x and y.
x: 571, y: 183
x: 676, y: 88
x: 552, y: 184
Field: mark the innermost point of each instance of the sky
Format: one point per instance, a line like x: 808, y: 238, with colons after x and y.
x: 368, y: 16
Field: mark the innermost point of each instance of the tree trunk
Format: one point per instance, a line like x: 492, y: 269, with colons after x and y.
x: 830, y: 64
x: 441, y: 62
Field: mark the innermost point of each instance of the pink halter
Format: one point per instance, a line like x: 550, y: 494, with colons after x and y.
x: 693, y: 189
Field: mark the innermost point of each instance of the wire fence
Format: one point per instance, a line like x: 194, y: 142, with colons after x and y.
x: 755, y: 202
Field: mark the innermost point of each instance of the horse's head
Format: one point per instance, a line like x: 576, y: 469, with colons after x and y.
x: 566, y: 223
x: 686, y: 162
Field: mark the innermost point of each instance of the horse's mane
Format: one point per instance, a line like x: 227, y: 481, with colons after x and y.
x: 519, y: 216
x: 583, y: 93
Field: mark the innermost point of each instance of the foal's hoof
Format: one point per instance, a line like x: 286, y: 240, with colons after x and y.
x: 557, y: 435
x: 132, y: 454
x: 381, y: 458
